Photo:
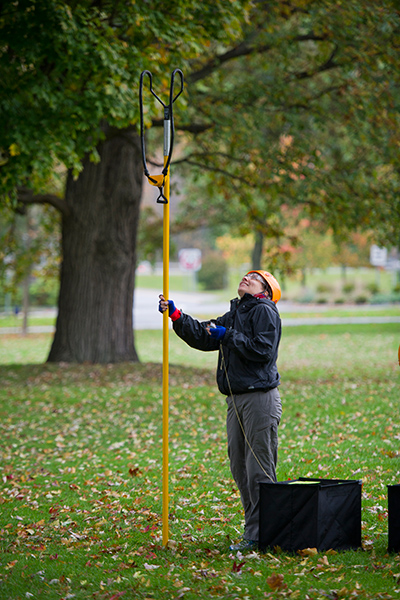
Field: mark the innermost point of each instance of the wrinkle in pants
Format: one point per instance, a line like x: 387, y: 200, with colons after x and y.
x: 260, y: 413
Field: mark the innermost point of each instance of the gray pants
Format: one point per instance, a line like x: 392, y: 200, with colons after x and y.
x: 259, y: 413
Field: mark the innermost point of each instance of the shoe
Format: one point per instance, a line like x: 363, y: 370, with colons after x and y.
x: 244, y: 546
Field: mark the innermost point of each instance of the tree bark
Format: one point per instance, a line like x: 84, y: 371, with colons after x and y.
x: 256, y: 257
x: 95, y: 322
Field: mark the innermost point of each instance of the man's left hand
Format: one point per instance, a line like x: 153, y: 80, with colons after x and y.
x: 217, y: 332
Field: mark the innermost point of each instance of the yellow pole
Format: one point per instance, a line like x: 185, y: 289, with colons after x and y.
x: 165, y: 533
x: 162, y: 181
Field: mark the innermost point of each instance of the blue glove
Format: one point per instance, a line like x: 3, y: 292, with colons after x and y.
x: 217, y: 332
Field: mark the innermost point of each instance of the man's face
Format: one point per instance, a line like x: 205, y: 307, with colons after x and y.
x: 251, y: 284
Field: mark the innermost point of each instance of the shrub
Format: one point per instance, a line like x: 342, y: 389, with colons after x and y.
x: 44, y: 292
x: 339, y: 301
x: 373, y: 288
x: 213, y: 274
x: 385, y: 298
x: 324, y: 288
x: 306, y: 298
x: 348, y: 288
x: 361, y: 299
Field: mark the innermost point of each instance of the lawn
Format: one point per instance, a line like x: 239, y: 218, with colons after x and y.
x: 81, y: 471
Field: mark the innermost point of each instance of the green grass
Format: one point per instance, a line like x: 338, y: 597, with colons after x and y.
x: 346, y: 311
x: 11, y: 321
x: 81, y: 458
x: 323, y: 349
x: 315, y: 313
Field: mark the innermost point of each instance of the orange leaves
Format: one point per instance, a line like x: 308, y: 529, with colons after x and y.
x: 307, y: 552
x: 135, y: 471
x: 275, y: 582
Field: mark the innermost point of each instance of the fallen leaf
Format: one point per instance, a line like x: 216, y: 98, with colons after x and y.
x: 275, y: 581
x: 307, y: 552
x: 117, y: 595
x: 237, y: 568
x: 135, y: 471
x: 151, y: 567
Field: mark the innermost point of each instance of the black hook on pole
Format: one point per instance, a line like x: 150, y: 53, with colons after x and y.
x: 158, y: 180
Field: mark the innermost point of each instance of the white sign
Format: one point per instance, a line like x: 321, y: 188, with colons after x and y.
x: 190, y: 259
x: 378, y: 256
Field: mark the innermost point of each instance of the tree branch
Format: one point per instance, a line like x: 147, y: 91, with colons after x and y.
x: 306, y: 104
x: 208, y: 155
x: 26, y: 196
x: 231, y: 176
x: 243, y: 49
x: 326, y: 66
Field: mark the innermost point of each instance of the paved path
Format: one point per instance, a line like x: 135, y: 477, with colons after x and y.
x: 203, y: 305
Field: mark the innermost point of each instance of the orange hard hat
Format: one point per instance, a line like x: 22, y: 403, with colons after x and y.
x: 272, y: 282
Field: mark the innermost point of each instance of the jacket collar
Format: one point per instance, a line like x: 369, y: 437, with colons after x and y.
x: 249, y: 299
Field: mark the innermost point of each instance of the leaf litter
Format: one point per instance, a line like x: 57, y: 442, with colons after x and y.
x: 82, y: 486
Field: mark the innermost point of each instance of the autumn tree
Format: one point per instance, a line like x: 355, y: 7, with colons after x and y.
x: 307, y: 118
x: 280, y: 107
x: 70, y: 75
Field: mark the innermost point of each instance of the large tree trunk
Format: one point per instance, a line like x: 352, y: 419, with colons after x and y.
x: 94, y: 321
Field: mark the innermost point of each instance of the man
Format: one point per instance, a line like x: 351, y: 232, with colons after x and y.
x: 247, y: 338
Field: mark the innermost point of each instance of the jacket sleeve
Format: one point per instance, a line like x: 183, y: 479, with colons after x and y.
x: 262, y: 346
x: 194, y: 333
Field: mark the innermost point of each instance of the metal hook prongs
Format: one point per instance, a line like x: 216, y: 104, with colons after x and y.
x: 171, y: 101
x: 169, y: 128
x: 171, y: 116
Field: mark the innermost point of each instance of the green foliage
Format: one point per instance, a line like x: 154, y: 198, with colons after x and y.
x: 213, y: 274
x: 150, y: 240
x: 29, y: 246
x: 296, y: 119
x: 324, y: 287
x: 44, y: 292
x: 384, y: 298
x: 373, y: 288
x: 81, y: 75
x: 348, y: 288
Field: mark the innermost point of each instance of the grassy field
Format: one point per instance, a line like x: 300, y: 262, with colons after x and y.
x: 39, y: 318
x: 81, y: 471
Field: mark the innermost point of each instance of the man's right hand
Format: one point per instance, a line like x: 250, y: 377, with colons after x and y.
x: 173, y: 312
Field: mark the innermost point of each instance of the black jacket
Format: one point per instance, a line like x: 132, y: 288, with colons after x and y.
x: 249, y: 346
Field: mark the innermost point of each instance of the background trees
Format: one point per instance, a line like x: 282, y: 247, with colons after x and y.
x: 306, y: 117
x: 292, y: 103
x: 70, y: 76
x: 307, y: 120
